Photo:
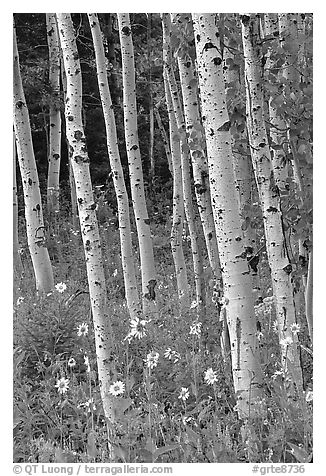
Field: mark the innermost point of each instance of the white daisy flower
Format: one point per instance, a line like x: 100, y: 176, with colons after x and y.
x: 62, y: 385
x: 82, y: 329
x: 172, y: 354
x: 152, y: 359
x: 117, y: 388
x: 61, y: 287
x: 210, y: 376
x: 20, y: 300
x: 184, y: 394
x: 277, y: 373
x: 275, y: 326
x: 71, y: 362
x: 295, y: 328
x: 195, y: 329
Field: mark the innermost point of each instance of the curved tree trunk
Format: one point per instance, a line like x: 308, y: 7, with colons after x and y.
x: 53, y: 188
x: 87, y: 215
x: 129, y: 276
x: 135, y: 166
x: 32, y: 197
x: 270, y: 202
x: 247, y: 375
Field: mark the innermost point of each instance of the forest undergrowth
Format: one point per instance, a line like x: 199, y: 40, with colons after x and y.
x: 173, y: 392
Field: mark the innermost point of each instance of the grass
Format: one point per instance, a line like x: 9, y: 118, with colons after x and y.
x: 153, y: 421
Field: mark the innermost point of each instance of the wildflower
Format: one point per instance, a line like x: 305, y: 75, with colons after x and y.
x: 275, y: 326
x: 62, y: 385
x: 286, y: 341
x: 277, y: 373
x: 82, y: 329
x: 20, y: 300
x: 309, y: 396
x: 61, y: 287
x: 184, y: 394
x: 152, y: 359
x: 90, y: 405
x: 138, y: 327
x: 295, y: 328
x: 86, y: 362
x: 172, y: 354
x: 71, y: 362
x: 195, y: 329
x: 117, y: 388
x: 193, y: 304
x: 115, y: 272
x: 210, y: 376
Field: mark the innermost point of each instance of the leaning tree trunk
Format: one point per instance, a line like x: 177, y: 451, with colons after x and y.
x: 135, y: 166
x: 87, y: 215
x: 53, y: 188
x: 270, y: 202
x: 32, y: 197
x: 247, y: 375
x: 127, y: 258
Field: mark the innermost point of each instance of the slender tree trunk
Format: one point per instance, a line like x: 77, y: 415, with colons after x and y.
x: 128, y: 267
x: 53, y: 187
x: 197, y: 146
x: 135, y: 166
x: 186, y: 182
x: 270, y: 201
x: 151, y: 105
x: 87, y: 215
x: 164, y: 139
x: 309, y: 297
x: 178, y: 205
x: 32, y: 197
x: 247, y: 375
x: 18, y: 266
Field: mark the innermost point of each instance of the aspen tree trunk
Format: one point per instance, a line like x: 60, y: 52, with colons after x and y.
x: 164, y: 139
x: 309, y: 297
x: 18, y: 266
x: 186, y: 183
x: 87, y: 214
x: 270, y: 202
x: 197, y: 145
x: 72, y: 185
x: 32, y: 197
x: 241, y: 162
x: 178, y: 205
x: 53, y: 188
x: 151, y: 106
x: 247, y: 375
x: 278, y: 127
x: 128, y: 267
x: 135, y: 166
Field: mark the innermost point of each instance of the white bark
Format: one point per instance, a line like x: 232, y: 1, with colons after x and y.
x: 237, y: 281
x: 135, y: 166
x: 178, y: 205
x: 87, y: 215
x: 33, y: 204
x: 270, y: 202
x: 53, y: 187
x: 128, y: 267
x: 18, y: 266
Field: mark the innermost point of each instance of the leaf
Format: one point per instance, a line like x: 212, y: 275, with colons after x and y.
x: 299, y: 453
x: 120, y: 452
x: 150, y: 445
x: 164, y: 449
x: 193, y: 437
x: 145, y: 456
x: 91, y: 444
x: 122, y: 404
x: 193, y: 388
